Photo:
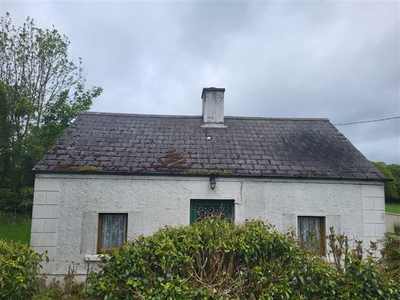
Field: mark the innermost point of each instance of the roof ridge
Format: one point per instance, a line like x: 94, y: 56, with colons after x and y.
x: 135, y: 115
x: 278, y: 118
x: 198, y: 116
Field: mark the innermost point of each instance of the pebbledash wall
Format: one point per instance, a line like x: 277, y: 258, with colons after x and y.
x: 66, y: 208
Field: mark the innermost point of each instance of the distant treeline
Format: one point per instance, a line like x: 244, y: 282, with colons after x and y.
x: 392, y: 188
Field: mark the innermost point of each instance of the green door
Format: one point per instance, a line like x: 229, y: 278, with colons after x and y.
x: 200, y: 209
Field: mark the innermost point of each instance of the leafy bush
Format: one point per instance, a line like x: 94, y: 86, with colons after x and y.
x: 19, y: 270
x: 215, y: 259
x: 391, y: 252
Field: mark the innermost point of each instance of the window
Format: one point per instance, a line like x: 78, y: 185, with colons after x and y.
x: 112, y: 231
x: 311, y: 233
x: 200, y: 209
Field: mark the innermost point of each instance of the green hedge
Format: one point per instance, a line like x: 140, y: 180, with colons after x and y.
x: 215, y: 259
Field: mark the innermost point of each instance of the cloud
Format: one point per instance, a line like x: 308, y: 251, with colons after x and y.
x: 338, y: 60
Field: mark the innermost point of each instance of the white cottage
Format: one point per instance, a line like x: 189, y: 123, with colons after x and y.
x: 113, y: 177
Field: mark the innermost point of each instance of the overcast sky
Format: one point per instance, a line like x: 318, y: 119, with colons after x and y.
x: 337, y: 60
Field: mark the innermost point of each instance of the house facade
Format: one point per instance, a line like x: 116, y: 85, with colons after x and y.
x: 113, y: 177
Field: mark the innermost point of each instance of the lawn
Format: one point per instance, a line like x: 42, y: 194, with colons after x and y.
x: 20, y: 233
x: 393, y: 208
x: 16, y: 228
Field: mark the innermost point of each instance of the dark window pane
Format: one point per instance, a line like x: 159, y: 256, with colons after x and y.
x: 203, y: 212
x: 200, y: 209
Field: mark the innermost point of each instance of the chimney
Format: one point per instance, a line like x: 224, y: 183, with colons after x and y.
x: 213, y: 107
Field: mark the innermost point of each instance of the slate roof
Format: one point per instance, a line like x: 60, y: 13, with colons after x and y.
x: 151, y: 144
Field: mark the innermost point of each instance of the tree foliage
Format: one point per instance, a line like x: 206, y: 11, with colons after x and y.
x: 216, y: 259
x: 41, y: 91
x: 392, y: 188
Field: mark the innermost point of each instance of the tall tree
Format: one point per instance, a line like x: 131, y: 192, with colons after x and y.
x: 41, y: 91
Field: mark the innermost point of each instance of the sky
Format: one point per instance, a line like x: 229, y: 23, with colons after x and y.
x: 298, y: 59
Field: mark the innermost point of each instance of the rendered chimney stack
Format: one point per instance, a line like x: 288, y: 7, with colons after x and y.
x: 213, y: 107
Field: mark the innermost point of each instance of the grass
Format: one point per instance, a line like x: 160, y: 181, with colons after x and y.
x: 15, y: 228
x: 21, y: 232
x: 393, y: 208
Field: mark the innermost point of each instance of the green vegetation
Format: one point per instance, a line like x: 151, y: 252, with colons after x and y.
x: 68, y: 289
x: 90, y: 169
x: 17, y: 233
x: 41, y: 91
x: 20, y: 276
x: 391, y: 252
x: 20, y: 266
x: 393, y: 208
x: 392, y: 188
x: 15, y: 227
x: 215, y: 259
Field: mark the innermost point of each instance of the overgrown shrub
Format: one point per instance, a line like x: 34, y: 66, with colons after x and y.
x: 19, y: 270
x: 215, y: 259
x: 391, y: 252
x: 56, y: 290
x: 396, y: 228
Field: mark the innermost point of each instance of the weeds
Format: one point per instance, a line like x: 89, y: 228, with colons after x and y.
x: 396, y: 228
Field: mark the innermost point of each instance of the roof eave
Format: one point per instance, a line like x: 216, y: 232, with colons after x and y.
x: 208, y: 174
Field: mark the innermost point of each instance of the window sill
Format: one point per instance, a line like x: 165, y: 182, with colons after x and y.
x: 94, y: 257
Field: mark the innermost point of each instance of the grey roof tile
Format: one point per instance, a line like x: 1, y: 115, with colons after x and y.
x: 178, y: 144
